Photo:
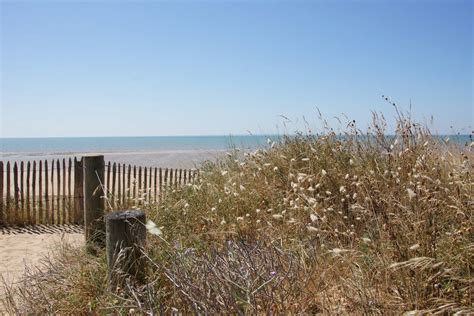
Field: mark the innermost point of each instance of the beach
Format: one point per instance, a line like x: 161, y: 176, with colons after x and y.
x: 162, y: 159
x: 159, y: 151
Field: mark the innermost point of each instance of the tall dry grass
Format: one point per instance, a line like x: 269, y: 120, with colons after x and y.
x: 354, y: 223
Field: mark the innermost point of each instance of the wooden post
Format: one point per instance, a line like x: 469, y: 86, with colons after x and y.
x: 94, y: 203
x: 125, y: 239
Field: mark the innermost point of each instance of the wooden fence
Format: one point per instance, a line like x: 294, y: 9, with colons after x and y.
x: 51, y: 192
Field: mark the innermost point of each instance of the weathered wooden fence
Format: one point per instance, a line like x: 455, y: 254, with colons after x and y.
x: 51, y: 192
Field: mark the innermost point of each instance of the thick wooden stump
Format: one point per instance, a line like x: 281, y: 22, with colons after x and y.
x: 125, y: 239
x: 94, y: 203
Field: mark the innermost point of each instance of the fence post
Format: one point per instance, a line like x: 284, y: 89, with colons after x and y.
x: 125, y: 239
x: 94, y: 204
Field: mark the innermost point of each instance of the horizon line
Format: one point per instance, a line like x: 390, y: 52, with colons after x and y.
x: 183, y: 136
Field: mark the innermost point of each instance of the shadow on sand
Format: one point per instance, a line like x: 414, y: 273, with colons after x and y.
x: 41, y: 229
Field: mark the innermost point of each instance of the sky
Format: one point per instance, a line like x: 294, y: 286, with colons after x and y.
x: 145, y: 68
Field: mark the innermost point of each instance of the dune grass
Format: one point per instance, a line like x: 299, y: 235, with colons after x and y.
x: 354, y: 223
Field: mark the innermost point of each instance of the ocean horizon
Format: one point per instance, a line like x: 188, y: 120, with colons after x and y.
x: 113, y: 144
x: 109, y: 144
x: 156, y: 151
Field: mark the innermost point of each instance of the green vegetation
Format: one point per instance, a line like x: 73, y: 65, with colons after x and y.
x: 362, y: 223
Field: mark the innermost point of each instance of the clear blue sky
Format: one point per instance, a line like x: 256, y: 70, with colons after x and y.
x: 200, y: 68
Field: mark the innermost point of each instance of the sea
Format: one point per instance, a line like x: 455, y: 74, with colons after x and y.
x: 152, y: 151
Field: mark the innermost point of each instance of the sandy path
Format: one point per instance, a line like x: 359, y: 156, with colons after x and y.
x: 27, y: 245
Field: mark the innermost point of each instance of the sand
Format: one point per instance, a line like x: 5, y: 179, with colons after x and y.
x: 163, y: 158
x: 26, y: 246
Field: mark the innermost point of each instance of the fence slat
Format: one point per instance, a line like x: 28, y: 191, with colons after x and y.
x: 155, y: 183
x: 175, y: 176
x: 42, y: 216
x: 112, y: 189
x: 9, y: 196
x: 129, y: 187
x: 21, y: 210
x: 78, y: 191
x: 107, y: 184
x: 70, y: 213
x: 28, y: 170
x: 150, y: 188
x: 17, y: 191
x: 51, y: 215
x: 123, y: 180
x: 119, y: 184
x: 176, y: 179
x: 145, y: 189
x: 160, y: 184
x: 139, y: 182
x: 165, y: 184
x: 176, y: 171
x: 63, y: 196
x: 2, y: 208
x: 134, y: 182
x: 59, y: 217
x: 33, y: 196
x: 123, y: 184
x: 47, y: 208
x: 171, y: 178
